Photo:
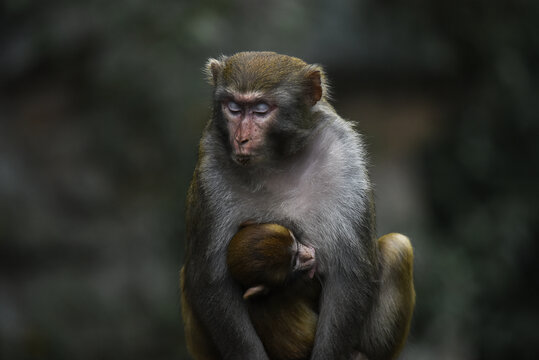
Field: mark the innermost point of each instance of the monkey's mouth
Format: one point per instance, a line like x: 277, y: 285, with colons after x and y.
x: 309, y: 267
x: 242, y: 159
x: 246, y: 159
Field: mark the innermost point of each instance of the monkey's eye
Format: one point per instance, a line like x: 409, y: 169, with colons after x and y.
x: 233, y: 107
x: 261, y: 108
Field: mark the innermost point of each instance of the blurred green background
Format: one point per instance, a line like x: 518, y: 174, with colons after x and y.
x: 101, y: 107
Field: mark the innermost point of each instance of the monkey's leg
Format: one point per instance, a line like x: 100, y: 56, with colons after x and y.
x: 388, y: 325
x: 198, y: 341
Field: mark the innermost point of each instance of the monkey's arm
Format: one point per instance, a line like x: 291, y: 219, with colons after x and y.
x: 384, y: 329
x: 222, y: 314
x: 342, y: 307
x: 348, y: 289
x: 214, y: 299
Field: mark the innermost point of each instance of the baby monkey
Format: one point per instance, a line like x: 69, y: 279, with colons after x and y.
x: 277, y: 274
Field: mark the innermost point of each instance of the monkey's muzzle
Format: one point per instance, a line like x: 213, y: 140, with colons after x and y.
x: 307, y: 259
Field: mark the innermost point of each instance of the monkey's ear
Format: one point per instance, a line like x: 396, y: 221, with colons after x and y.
x: 255, y: 290
x: 315, y: 83
x: 213, y: 68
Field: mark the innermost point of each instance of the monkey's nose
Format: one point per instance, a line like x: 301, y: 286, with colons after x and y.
x: 241, y: 141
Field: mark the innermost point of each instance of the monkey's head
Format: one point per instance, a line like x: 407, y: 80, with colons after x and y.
x: 265, y: 256
x: 262, y: 104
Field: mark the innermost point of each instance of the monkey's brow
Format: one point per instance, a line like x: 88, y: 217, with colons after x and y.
x: 245, y: 97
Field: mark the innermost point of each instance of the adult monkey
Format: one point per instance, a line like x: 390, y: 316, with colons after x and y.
x: 276, y: 151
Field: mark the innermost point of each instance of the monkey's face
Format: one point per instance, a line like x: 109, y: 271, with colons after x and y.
x: 248, y: 118
x: 262, y: 104
x: 304, y: 259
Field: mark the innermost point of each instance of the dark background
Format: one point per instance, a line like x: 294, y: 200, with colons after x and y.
x: 101, y: 107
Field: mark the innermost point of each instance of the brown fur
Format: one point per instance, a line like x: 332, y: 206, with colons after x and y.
x: 197, y: 337
x: 397, y: 290
x: 264, y: 71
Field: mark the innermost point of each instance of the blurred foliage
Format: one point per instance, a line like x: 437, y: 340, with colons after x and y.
x: 101, y: 107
